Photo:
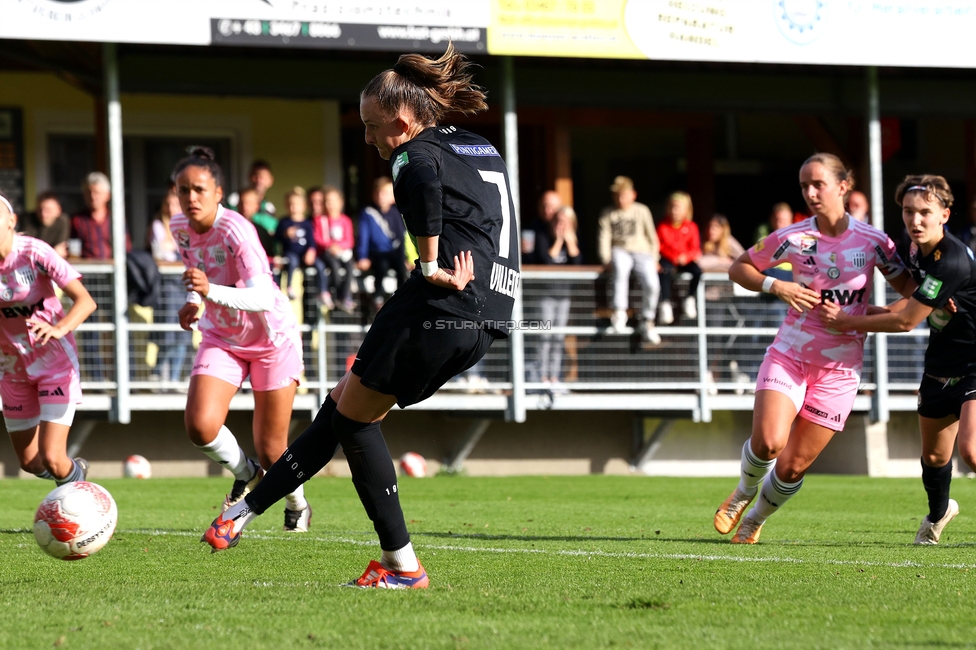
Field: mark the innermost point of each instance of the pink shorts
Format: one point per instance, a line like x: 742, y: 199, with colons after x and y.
x: 22, y: 400
x: 275, y: 370
x: 824, y: 396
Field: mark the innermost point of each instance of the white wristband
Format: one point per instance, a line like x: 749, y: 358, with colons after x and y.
x: 428, y: 268
x: 768, y: 284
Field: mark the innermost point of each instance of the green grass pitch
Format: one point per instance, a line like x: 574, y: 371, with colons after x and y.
x: 561, y: 562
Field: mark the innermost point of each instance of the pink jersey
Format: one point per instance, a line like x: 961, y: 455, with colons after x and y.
x: 841, y: 270
x: 230, y: 253
x: 27, y: 291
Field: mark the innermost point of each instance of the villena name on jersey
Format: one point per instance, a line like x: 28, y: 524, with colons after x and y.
x: 21, y: 311
x: 504, y: 280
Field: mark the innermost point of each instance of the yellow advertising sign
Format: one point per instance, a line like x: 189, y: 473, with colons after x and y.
x: 578, y: 28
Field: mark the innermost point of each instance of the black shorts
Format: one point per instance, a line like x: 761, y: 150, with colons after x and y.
x: 412, y: 349
x: 938, y: 399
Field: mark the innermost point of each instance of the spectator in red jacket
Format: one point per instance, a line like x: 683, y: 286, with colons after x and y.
x: 334, y: 239
x: 680, y: 251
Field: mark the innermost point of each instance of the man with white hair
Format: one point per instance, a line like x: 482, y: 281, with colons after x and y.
x: 94, y: 226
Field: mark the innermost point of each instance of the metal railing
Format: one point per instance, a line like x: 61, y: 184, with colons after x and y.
x: 702, y: 364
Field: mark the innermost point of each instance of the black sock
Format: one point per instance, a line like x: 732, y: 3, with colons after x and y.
x: 303, y: 459
x: 375, y: 478
x: 936, y: 482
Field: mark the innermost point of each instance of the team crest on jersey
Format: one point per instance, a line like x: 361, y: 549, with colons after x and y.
x: 761, y: 244
x: 859, y: 259
x: 808, y: 245
x: 25, y: 276
x: 937, y: 255
x: 219, y: 255
x: 183, y: 238
x: 833, y: 273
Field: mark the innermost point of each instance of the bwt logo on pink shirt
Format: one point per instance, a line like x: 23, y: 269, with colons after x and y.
x: 842, y: 296
x: 22, y: 311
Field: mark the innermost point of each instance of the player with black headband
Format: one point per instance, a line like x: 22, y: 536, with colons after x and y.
x: 452, y: 189
x: 944, y: 268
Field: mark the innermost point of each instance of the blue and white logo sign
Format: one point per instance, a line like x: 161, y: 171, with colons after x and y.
x: 800, y: 21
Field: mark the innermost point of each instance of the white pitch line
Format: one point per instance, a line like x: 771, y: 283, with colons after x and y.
x: 581, y: 553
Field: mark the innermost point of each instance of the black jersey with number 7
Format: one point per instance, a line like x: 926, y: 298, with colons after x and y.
x: 453, y: 184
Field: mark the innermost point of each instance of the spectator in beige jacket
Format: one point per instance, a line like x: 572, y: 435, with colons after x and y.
x: 628, y: 242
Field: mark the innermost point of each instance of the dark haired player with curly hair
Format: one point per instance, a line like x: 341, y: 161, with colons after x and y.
x: 452, y: 189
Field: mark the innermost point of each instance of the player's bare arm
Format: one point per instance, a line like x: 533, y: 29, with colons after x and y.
x: 82, y: 307
x: 745, y: 274
x: 903, y: 320
x: 456, y: 278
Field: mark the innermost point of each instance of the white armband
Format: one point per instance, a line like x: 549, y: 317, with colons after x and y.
x: 428, y: 268
x: 257, y: 296
x: 768, y: 284
x: 194, y: 298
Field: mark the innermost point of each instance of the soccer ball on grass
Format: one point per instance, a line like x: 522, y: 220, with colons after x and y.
x: 75, y: 520
x: 413, y: 464
x: 137, y: 466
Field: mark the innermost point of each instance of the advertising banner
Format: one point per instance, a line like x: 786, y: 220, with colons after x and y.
x: 927, y: 33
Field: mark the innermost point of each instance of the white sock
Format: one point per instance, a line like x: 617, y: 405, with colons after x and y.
x: 76, y: 474
x: 241, y: 513
x: 225, y: 450
x: 773, y: 495
x: 753, y: 469
x: 296, y: 500
x: 401, y: 560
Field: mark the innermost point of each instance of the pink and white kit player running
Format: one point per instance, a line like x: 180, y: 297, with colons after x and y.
x: 39, y: 371
x: 840, y: 269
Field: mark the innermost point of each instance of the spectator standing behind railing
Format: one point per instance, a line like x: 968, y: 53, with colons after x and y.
x: 859, y: 207
x: 298, y: 245
x: 557, y: 245
x: 780, y: 216
x: 381, y: 233
x: 172, y: 345
x: 48, y: 223
x: 93, y: 226
x: 264, y: 223
x: 719, y: 250
x: 549, y: 204
x: 680, y: 250
x: 334, y: 240
x: 627, y: 241
x: 93, y: 230
x: 261, y: 180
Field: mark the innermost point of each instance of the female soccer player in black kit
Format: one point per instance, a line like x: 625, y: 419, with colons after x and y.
x: 452, y: 188
x: 944, y: 268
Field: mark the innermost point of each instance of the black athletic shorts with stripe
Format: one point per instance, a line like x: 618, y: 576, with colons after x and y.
x: 942, y: 397
x: 412, y: 349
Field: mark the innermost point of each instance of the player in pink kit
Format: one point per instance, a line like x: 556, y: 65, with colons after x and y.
x: 809, y: 377
x: 39, y: 376
x: 248, y: 329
